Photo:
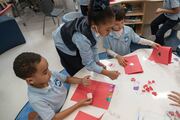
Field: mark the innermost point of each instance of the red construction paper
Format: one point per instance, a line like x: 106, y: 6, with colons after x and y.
x: 161, y: 55
x: 147, y: 89
x: 85, y: 116
x: 145, y: 86
x: 150, y: 88
x: 177, y: 114
x: 149, y: 82
x: 133, y: 65
x: 100, y: 92
x: 154, y: 93
x: 171, y: 113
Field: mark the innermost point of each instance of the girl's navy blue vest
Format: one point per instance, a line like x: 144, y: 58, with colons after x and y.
x: 78, y: 25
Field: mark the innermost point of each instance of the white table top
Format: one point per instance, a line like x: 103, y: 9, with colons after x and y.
x: 126, y: 103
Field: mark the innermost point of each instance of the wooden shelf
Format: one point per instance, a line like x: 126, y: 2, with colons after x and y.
x: 130, y: 22
x: 139, y: 12
x: 134, y: 13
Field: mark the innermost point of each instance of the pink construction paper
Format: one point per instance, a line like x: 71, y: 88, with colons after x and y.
x: 161, y: 55
x: 85, y: 116
x: 100, y: 92
x: 133, y: 65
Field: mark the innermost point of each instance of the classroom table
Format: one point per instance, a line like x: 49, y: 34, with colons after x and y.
x: 126, y: 103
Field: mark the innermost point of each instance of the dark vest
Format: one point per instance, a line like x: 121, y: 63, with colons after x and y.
x: 77, y: 25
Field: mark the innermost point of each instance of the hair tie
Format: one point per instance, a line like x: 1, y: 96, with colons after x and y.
x: 103, y: 6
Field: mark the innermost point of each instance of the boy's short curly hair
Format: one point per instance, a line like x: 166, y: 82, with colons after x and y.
x: 24, y: 64
x: 119, y: 12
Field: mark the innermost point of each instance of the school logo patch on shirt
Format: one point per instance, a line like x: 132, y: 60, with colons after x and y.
x: 57, y: 82
x: 126, y: 38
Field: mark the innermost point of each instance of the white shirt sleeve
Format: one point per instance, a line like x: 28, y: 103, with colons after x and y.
x: 143, y: 41
x: 88, y: 54
x: 111, y: 53
x: 95, y: 52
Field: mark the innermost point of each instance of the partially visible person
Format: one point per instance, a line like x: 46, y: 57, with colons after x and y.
x: 169, y: 17
x: 76, y: 41
x: 175, y: 97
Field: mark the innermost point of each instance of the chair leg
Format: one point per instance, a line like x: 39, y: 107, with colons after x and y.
x: 53, y: 20
x: 58, y: 21
x: 44, y: 24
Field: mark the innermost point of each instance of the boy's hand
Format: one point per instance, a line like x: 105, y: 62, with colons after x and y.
x: 101, y: 64
x: 84, y: 102
x: 121, y: 60
x: 113, y: 74
x: 159, y: 11
x: 156, y: 45
x: 174, y: 96
x: 86, y: 80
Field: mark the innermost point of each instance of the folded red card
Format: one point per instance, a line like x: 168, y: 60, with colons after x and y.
x: 101, y: 93
x: 133, y: 65
x: 161, y: 55
x: 85, y: 116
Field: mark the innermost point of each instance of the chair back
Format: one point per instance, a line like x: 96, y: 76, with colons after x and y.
x: 177, y: 27
x: 46, y: 6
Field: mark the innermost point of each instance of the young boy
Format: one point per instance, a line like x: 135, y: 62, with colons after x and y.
x: 117, y: 43
x: 46, y: 91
